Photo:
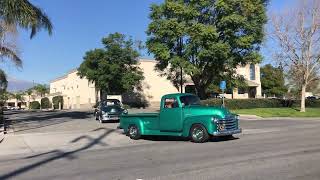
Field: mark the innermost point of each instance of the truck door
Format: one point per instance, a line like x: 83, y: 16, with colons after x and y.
x: 171, y: 116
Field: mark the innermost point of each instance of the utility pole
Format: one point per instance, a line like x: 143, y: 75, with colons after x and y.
x: 181, y: 80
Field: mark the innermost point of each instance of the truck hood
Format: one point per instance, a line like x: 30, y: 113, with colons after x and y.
x: 221, y: 112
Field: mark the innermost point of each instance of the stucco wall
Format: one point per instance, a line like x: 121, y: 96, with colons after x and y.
x: 78, y: 93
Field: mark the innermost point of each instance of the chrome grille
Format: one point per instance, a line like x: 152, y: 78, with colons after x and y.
x: 228, y: 123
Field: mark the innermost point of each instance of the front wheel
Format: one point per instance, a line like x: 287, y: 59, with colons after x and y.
x: 96, y: 116
x: 100, y: 119
x: 133, y: 132
x: 199, y: 133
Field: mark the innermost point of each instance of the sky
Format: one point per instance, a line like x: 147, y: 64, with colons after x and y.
x: 79, y: 26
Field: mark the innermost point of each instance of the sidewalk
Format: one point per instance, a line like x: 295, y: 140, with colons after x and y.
x: 64, y: 141
x: 249, y: 117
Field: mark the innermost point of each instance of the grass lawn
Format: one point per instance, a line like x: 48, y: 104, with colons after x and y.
x: 279, y: 112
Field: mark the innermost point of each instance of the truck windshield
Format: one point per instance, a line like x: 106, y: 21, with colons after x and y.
x: 190, y: 100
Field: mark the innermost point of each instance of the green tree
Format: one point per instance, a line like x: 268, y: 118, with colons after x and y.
x: 206, y: 39
x: 114, y: 68
x: 41, y: 89
x: 25, y: 15
x: 45, y: 103
x: 273, y: 81
x: 3, y: 81
x: 19, y: 96
x: 57, y: 102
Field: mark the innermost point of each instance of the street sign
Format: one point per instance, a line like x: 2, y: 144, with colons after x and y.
x: 223, y: 85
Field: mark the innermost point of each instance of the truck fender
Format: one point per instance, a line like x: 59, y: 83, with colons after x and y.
x: 137, y: 122
x: 203, y: 120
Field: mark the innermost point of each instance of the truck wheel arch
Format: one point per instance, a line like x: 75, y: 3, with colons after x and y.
x: 193, y: 121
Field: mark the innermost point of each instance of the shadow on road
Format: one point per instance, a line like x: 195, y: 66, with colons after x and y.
x: 59, y: 154
x: 177, y: 138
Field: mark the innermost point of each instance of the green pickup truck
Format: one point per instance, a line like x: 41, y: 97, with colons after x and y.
x: 182, y: 115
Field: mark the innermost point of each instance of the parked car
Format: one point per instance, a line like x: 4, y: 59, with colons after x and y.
x: 109, y: 110
x: 312, y: 97
x: 182, y: 115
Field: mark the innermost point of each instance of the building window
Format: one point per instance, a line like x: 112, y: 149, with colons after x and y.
x: 242, y: 90
x: 252, y: 72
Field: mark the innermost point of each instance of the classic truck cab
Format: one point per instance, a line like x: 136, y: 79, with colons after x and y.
x: 182, y: 115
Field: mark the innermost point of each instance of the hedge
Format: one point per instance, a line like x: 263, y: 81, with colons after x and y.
x: 259, y: 103
x: 56, y: 101
x: 45, y: 103
x: 34, y: 105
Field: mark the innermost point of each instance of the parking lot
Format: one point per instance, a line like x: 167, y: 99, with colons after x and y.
x: 75, y: 146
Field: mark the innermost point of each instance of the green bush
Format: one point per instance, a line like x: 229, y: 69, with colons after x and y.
x: 56, y: 100
x: 34, y: 105
x: 45, y: 103
x: 259, y: 103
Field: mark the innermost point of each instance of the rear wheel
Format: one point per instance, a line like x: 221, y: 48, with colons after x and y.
x: 133, y: 132
x: 199, y: 134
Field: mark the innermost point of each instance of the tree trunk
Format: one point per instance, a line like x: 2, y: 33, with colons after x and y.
x: 103, y: 95
x: 201, y: 93
x: 303, y: 99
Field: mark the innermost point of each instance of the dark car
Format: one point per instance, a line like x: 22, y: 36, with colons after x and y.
x: 312, y: 98
x: 109, y: 110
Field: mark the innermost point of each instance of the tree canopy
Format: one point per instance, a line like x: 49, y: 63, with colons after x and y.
x: 41, y: 89
x: 25, y: 15
x: 273, y: 81
x: 207, y: 39
x: 113, y: 68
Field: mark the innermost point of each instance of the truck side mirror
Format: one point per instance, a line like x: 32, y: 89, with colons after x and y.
x: 183, y: 105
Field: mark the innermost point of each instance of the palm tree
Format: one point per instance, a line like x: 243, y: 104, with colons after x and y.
x: 41, y: 89
x: 3, y: 87
x: 20, y: 13
x: 25, y: 15
x: 3, y: 81
x: 29, y: 92
x: 7, y: 49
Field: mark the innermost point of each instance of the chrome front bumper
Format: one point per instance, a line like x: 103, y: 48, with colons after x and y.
x: 110, y: 118
x: 227, y: 132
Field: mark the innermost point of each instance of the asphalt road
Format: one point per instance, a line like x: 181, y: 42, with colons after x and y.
x: 268, y: 149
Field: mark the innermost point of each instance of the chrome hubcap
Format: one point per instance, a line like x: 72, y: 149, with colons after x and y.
x: 197, y: 133
x: 133, y: 131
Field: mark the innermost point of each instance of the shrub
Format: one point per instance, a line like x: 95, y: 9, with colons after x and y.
x: 34, y: 105
x: 45, y: 103
x: 56, y: 100
x: 259, y: 103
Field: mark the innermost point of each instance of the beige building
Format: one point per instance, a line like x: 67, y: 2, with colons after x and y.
x: 77, y: 93
x: 80, y: 93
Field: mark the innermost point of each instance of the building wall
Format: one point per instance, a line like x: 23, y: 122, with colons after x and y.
x: 245, y: 72
x: 78, y: 93
x: 154, y: 86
